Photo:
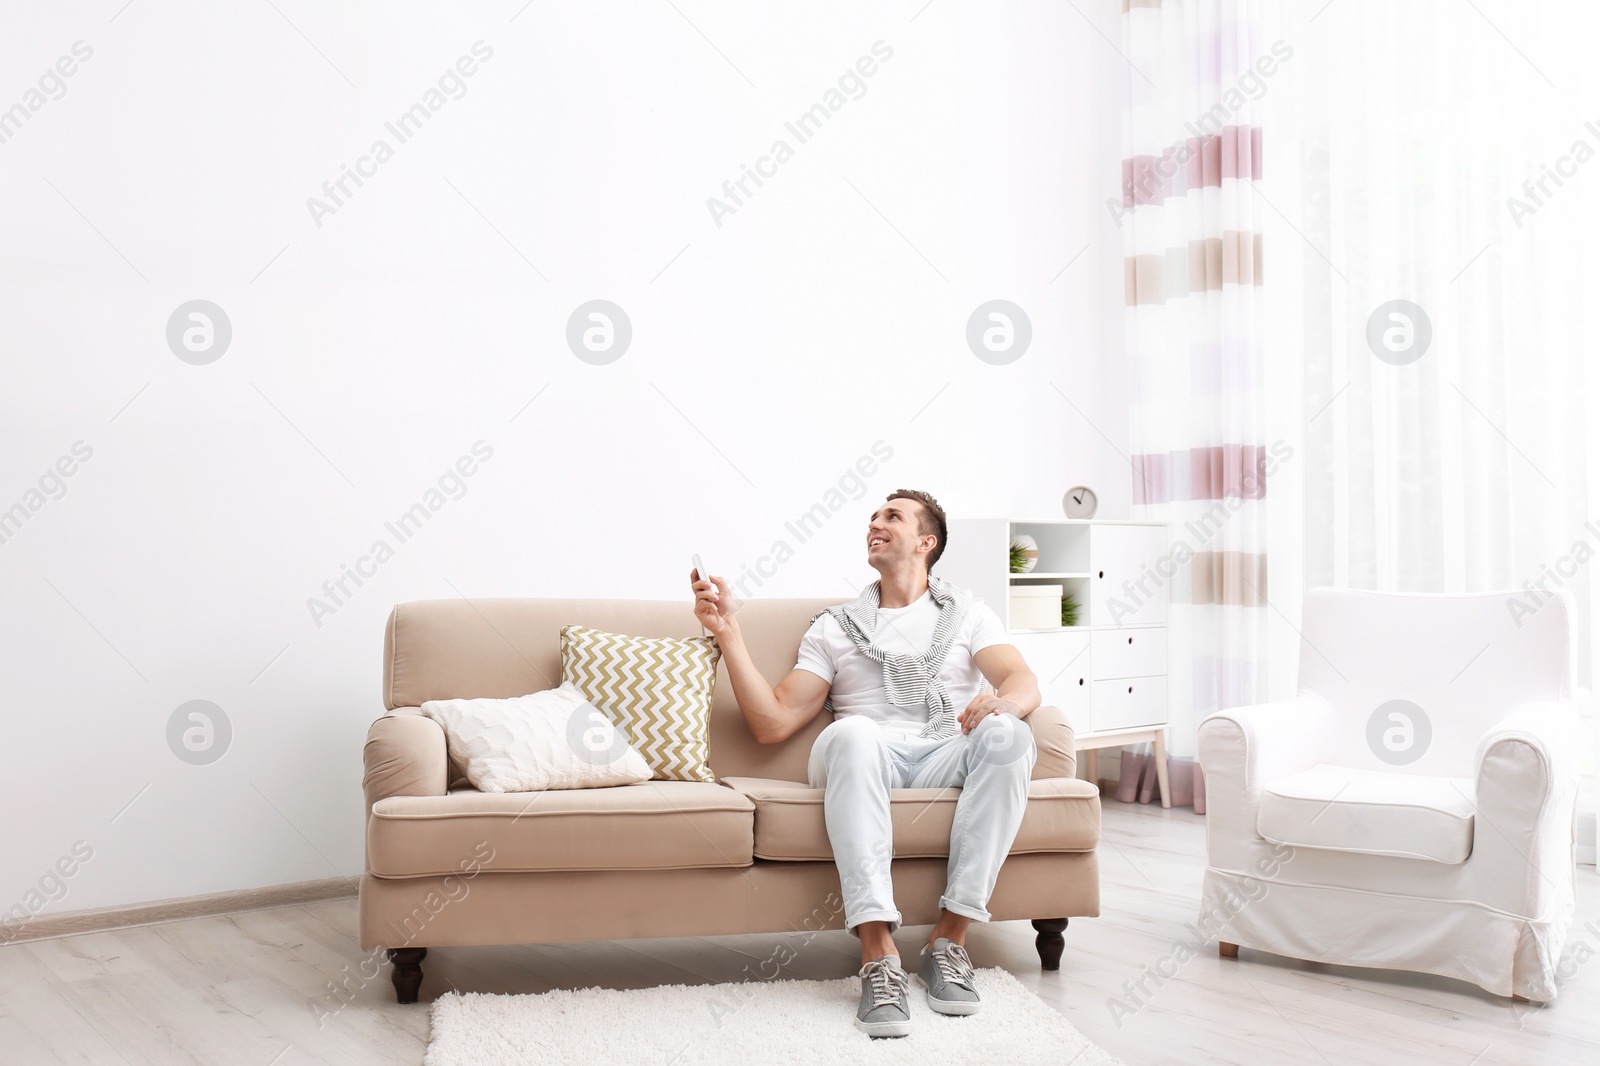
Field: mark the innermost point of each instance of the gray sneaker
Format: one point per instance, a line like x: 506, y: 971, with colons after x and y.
x: 885, y: 1009
x: 947, y: 971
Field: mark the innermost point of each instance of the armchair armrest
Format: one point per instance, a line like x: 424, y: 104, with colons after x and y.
x: 1053, y: 737
x: 1243, y: 748
x: 405, y: 755
x: 1550, y: 730
x: 1526, y: 787
x: 1266, y: 741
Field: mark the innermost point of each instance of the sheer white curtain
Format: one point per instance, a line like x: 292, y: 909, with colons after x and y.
x: 1445, y: 154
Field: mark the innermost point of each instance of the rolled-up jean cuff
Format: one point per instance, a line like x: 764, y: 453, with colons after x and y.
x: 977, y: 914
x: 892, y: 917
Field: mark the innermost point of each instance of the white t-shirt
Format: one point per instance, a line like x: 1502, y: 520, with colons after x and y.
x: 857, y: 682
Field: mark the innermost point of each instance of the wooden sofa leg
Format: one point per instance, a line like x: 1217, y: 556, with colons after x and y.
x: 1226, y: 950
x: 407, y: 975
x: 1050, y: 942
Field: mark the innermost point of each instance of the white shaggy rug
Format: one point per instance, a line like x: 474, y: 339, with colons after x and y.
x: 756, y: 1022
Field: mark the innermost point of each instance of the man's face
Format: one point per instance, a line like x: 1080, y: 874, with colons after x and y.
x: 893, y: 534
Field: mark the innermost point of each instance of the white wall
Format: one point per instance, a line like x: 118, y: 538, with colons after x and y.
x: 768, y: 355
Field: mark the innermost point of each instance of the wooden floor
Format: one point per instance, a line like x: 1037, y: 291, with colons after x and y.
x: 254, y: 988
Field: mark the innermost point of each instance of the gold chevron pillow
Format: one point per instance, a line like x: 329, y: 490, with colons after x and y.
x: 657, y: 690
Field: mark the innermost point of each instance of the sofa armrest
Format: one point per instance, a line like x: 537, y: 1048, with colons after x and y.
x: 1240, y: 751
x: 1052, y: 735
x: 1525, y: 787
x: 405, y: 755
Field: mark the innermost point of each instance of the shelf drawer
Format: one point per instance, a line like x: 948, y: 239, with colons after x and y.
x: 1130, y: 653
x: 1129, y: 702
x: 1061, y: 662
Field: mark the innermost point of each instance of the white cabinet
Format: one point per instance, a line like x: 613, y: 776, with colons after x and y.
x: 1108, y: 673
x: 1126, y: 586
x: 1063, y: 664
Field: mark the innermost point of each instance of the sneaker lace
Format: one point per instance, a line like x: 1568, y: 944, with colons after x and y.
x: 954, y: 965
x: 887, y: 981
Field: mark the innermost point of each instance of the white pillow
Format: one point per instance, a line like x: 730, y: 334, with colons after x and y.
x: 546, y: 740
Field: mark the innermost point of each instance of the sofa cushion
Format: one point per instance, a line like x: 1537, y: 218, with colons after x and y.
x: 656, y: 689
x: 544, y: 740
x: 653, y: 825
x: 1063, y: 814
x: 1373, y: 812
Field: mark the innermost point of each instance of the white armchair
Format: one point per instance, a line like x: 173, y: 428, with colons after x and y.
x: 1413, y: 806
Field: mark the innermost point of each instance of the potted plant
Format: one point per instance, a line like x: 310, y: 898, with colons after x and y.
x: 1069, y: 611
x: 1024, y: 553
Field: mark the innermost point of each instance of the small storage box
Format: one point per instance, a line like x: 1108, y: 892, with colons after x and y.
x: 1036, y: 606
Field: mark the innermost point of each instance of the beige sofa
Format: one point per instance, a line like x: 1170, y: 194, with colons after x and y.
x: 448, y: 865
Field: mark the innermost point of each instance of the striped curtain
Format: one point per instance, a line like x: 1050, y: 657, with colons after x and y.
x: 1190, y: 216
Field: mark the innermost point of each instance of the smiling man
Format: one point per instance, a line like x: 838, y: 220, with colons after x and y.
x: 902, y: 669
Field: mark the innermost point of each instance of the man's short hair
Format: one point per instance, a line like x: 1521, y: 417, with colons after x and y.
x: 931, y: 521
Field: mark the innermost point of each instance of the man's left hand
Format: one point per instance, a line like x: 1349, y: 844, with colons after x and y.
x: 981, y: 707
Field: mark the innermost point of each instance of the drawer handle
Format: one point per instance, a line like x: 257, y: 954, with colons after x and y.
x: 1130, y: 640
x: 1130, y: 688
x: 1080, y: 681
x: 1102, y: 573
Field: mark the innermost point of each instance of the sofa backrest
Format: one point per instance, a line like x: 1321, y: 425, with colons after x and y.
x: 1466, y: 660
x: 468, y: 649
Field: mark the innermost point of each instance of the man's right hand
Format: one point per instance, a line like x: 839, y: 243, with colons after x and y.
x: 773, y: 714
x: 713, y: 605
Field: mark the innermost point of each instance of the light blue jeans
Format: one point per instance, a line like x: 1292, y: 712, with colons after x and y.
x: 857, y: 762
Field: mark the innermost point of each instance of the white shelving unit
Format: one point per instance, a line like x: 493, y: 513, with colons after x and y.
x: 1109, y: 672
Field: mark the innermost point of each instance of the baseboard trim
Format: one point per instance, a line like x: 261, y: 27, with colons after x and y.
x: 70, y: 923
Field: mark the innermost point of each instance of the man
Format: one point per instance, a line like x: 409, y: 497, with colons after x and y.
x: 902, y: 669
